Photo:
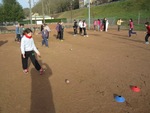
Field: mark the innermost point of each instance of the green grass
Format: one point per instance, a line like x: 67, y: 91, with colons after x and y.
x: 123, y: 9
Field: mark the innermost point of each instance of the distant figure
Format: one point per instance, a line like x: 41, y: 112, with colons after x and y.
x: 18, y: 37
x: 98, y: 24
x: 61, y: 31
x: 147, y: 25
x: 95, y: 24
x: 104, y: 24
x: 48, y: 29
x: 45, y: 35
x: 75, y: 27
x: 57, y: 29
x: 119, y: 22
x: 21, y: 30
x: 107, y: 23
x: 131, y: 26
x: 80, y: 27
x: 84, y: 28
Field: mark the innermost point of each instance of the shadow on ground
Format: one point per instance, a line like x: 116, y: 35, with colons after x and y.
x: 41, y: 94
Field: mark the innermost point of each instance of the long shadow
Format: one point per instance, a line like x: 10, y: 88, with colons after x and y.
x: 129, y: 39
x: 69, y: 32
x: 3, y: 42
x: 125, y: 38
x: 41, y: 91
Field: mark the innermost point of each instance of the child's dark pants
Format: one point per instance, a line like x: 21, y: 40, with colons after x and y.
x: 30, y: 54
x: 146, y: 37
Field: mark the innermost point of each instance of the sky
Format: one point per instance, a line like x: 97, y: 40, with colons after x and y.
x: 25, y: 3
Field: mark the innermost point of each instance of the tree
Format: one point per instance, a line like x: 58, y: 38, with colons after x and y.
x: 12, y: 11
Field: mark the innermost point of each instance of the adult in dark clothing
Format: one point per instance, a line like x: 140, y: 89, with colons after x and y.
x: 104, y: 24
x: 61, y: 31
x: 75, y: 27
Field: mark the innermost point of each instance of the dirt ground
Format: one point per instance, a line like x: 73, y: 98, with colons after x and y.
x: 98, y: 67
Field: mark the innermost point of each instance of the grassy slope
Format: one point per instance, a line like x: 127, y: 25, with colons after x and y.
x: 124, y: 9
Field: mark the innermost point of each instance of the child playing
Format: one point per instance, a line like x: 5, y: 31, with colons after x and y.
x: 45, y: 35
x: 28, y: 49
x: 148, y: 32
x: 84, y: 29
x: 131, y: 25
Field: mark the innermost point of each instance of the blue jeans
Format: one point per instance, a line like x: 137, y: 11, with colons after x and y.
x: 45, y: 41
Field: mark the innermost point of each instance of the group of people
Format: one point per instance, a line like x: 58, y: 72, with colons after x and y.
x: 19, y: 31
x: 131, y: 27
x: 28, y: 48
x: 101, y: 25
x: 60, y: 31
x: 81, y: 26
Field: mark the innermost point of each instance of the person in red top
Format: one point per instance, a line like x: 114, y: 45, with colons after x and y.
x: 148, y: 32
x: 131, y: 27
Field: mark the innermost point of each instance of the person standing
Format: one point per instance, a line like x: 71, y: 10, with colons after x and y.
x: 119, y: 22
x: 104, y: 24
x: 45, y: 35
x: 80, y: 27
x: 18, y: 37
x: 75, y: 27
x: 107, y: 23
x: 98, y: 24
x: 95, y: 24
x: 28, y: 49
x: 84, y: 29
x: 61, y: 31
x: 57, y: 29
x: 21, y: 30
x: 131, y: 27
x: 147, y: 25
x: 48, y: 29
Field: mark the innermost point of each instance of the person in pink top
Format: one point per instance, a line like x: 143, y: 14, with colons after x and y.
x: 98, y: 24
x: 147, y: 25
x: 95, y: 24
x: 131, y: 25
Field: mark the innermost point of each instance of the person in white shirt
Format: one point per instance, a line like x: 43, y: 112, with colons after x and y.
x: 80, y: 27
x: 107, y: 23
x: 84, y: 25
x: 28, y: 49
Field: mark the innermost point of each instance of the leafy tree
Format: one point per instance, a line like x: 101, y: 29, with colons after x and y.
x: 12, y: 11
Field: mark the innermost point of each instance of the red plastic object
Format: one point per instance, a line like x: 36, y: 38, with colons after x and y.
x: 135, y: 89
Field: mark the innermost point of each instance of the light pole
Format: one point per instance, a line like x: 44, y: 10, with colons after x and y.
x: 43, y: 12
x: 71, y: 9
x: 89, y: 14
x: 30, y: 13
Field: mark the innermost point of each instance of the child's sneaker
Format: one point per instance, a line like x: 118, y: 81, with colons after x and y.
x: 25, y: 71
x: 146, y: 42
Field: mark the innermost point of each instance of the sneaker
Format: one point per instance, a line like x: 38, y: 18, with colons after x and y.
x: 25, y: 71
x: 146, y: 42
